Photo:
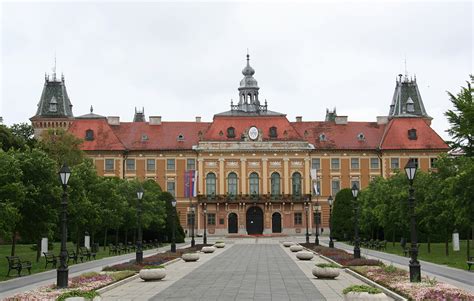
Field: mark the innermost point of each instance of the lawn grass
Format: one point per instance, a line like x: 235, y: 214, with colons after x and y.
x: 25, y: 253
x: 455, y: 259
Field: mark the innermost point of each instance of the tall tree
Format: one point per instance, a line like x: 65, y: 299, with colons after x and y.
x: 62, y: 146
x: 342, y: 215
x: 461, y: 119
x: 25, y: 133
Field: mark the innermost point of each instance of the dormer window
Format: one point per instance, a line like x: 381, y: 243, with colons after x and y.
x: 89, y: 135
x: 180, y: 137
x: 144, y: 137
x: 322, y: 137
x: 361, y: 137
x: 230, y: 132
x: 273, y: 132
x: 412, y: 134
x: 410, y: 105
x: 53, y: 105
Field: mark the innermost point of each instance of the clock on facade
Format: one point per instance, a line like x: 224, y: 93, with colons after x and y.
x: 253, y: 133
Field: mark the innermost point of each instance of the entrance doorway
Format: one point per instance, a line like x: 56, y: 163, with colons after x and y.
x: 232, y: 223
x: 276, y: 222
x: 254, y: 220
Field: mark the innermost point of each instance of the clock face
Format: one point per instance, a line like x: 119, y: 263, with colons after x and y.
x: 253, y: 133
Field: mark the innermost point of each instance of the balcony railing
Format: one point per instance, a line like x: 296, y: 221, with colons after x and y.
x: 252, y: 198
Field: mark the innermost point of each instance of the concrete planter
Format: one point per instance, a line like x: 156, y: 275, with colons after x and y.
x: 296, y: 248
x: 304, y: 255
x: 219, y: 245
x: 189, y: 257
x: 365, y: 296
x: 208, y: 249
x: 325, y: 273
x: 152, y: 274
x: 287, y: 244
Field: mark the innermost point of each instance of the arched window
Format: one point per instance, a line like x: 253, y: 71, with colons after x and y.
x: 230, y: 132
x: 211, y: 184
x: 275, y: 184
x: 232, y: 184
x: 253, y: 183
x: 296, y: 179
x: 89, y: 135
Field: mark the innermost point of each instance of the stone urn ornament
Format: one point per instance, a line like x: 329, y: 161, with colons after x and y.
x: 190, y: 257
x: 325, y: 271
x: 304, y: 255
x: 208, y: 249
x: 287, y: 244
x: 296, y: 248
x: 363, y: 292
x: 219, y: 244
x: 152, y: 273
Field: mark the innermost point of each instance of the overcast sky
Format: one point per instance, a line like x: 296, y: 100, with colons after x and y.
x: 181, y: 60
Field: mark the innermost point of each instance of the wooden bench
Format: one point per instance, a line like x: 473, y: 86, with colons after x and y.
x: 85, y: 253
x: 470, y: 262
x: 50, y: 258
x: 71, y: 254
x: 15, y: 263
x: 113, y: 249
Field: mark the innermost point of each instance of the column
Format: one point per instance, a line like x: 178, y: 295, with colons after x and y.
x: 243, y: 175
x: 307, y: 176
x: 265, y: 176
x: 221, y: 176
x: 286, y: 180
x: 200, y: 175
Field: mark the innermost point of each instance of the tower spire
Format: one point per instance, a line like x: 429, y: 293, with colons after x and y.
x: 54, y: 67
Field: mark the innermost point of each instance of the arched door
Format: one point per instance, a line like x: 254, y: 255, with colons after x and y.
x: 232, y: 223
x: 276, y: 222
x: 255, y: 220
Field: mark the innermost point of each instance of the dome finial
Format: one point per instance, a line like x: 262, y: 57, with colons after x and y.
x: 248, y: 71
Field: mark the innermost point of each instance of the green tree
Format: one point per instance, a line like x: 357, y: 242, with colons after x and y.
x: 62, y: 147
x: 461, y: 119
x: 8, y: 140
x: 166, y: 197
x: 25, y: 133
x: 342, y: 215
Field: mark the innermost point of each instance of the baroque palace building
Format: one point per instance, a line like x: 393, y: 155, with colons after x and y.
x: 257, y: 172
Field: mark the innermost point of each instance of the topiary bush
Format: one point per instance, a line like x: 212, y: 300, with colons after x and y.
x: 342, y: 215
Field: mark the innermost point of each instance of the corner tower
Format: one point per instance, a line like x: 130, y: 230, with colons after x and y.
x: 54, y: 108
x: 407, y: 100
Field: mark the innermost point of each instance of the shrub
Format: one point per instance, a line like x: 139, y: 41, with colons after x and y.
x: 361, y: 289
x: 327, y: 265
x: 117, y: 276
x: 150, y: 267
x: 342, y: 215
x: 361, y: 261
x: 88, y: 295
x: 389, y: 269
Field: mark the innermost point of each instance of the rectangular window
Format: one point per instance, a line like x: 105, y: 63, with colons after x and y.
x: 170, y: 164
x: 415, y: 160
x: 355, y: 163
x: 317, y: 190
x: 170, y: 187
x: 336, y: 186
x: 316, y: 164
x: 211, y: 218
x: 150, y: 164
x: 221, y: 221
x: 335, y: 163
x: 298, y: 218
x: 190, y: 164
x: 109, y: 164
x: 395, y: 163
x: 130, y: 164
x: 374, y: 163
x: 356, y: 182
x: 433, y: 162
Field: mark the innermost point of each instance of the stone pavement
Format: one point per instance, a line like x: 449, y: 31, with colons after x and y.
x: 460, y: 278
x: 247, y: 269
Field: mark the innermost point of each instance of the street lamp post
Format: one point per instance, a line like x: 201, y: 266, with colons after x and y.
x: 415, y: 269
x: 316, y: 240
x: 204, y: 238
x: 355, y: 192
x: 330, y: 202
x: 173, y: 236
x: 139, y: 252
x: 193, y: 215
x: 63, y: 271
x: 306, y: 207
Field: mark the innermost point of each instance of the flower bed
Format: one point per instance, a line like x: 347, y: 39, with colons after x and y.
x: 398, y: 280
x: 87, y: 282
x: 341, y: 256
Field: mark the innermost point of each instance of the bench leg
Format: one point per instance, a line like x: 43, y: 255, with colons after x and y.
x: 19, y: 272
x: 29, y: 271
x: 8, y: 274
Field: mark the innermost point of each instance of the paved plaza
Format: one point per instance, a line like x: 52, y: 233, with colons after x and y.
x: 247, y: 269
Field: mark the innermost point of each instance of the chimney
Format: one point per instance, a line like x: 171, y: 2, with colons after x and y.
x: 113, y: 120
x: 155, y: 120
x: 299, y: 118
x: 198, y: 118
x: 382, y: 120
x: 341, y: 119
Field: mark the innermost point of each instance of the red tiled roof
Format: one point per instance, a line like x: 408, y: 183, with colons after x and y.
x: 104, y: 137
x: 159, y: 137
x: 242, y: 123
x: 396, y: 135
x: 341, y: 136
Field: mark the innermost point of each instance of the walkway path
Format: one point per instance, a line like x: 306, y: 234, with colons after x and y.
x: 457, y: 277
x: 26, y: 283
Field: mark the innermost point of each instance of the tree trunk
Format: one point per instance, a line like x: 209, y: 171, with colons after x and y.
x: 468, y: 243
x: 446, y: 243
x: 134, y: 237
x: 116, y: 236
x: 126, y: 237
x: 78, y: 241
x: 393, y: 238
x: 38, y: 250
x: 12, y: 252
x: 429, y: 244
x: 105, y: 239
